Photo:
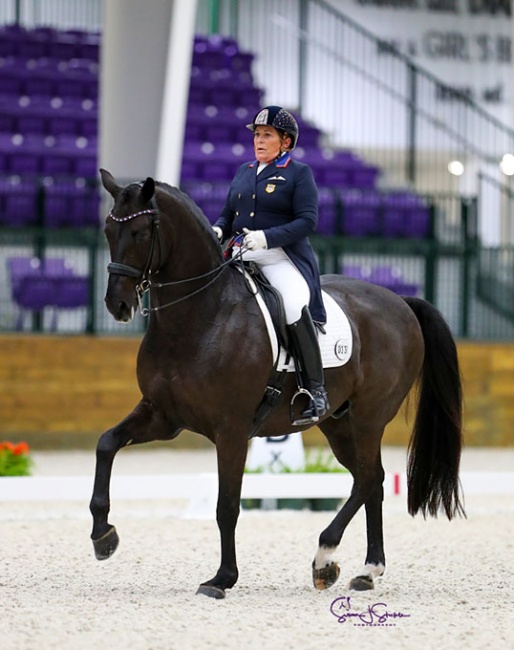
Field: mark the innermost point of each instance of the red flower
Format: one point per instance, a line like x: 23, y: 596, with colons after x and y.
x: 20, y: 449
x: 17, y: 450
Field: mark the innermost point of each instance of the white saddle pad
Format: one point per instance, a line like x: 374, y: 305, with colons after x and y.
x: 335, y: 345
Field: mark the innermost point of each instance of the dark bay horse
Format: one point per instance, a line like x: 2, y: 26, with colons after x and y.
x: 205, y: 360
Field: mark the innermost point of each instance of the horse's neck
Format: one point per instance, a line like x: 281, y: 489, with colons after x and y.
x: 193, y: 253
x: 191, y: 274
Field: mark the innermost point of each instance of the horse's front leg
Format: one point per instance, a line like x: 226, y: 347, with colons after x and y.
x: 142, y: 425
x: 231, y: 462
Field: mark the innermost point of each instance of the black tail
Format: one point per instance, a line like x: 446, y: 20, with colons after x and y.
x: 436, y: 443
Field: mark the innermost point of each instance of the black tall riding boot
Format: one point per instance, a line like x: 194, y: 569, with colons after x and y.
x: 308, y: 357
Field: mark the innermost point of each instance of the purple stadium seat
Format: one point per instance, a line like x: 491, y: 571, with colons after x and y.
x: 385, y: 275
x: 209, y: 198
x: 36, y: 293
x: 59, y: 122
x: 71, y: 203
x: 391, y: 278
x: 64, y: 48
x: 30, y: 289
x: 86, y: 165
x: 361, y: 272
x: 70, y: 87
x: 32, y: 47
x: 208, y: 54
x: 235, y: 154
x: 241, y: 61
x: 35, y: 122
x: 405, y: 215
x: 219, y: 124
x: 18, y: 202
x: 72, y: 292
x: 39, y: 85
x: 19, y: 268
x: 360, y: 213
x: 309, y: 134
x: 196, y: 155
x: 327, y: 212
x: 332, y: 175
x: 45, y: 33
x: 406, y: 289
x: 88, y: 125
x: 84, y: 207
x: 56, y: 267
x: 13, y: 74
x: 8, y: 45
x: 365, y: 176
x: 7, y: 121
x: 49, y: 282
x: 417, y: 224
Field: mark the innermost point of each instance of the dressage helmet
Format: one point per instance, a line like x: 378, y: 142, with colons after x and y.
x: 279, y: 119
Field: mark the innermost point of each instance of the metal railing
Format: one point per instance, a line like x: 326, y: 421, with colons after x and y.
x: 63, y: 14
x: 439, y: 268
x: 367, y: 96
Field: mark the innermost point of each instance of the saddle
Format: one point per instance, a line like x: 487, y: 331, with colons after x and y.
x: 273, y: 301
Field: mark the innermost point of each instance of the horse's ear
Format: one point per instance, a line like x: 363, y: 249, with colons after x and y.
x: 109, y: 183
x: 148, y: 189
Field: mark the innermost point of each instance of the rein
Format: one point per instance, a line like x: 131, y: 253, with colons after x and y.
x: 145, y: 284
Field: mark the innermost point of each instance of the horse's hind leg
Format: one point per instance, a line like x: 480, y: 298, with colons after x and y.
x: 141, y: 425
x: 374, y: 565
x: 360, y: 453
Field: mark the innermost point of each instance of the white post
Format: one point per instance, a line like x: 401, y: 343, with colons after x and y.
x: 176, y: 91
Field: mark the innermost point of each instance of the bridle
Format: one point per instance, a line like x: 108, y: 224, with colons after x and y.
x: 145, y: 283
x: 131, y: 271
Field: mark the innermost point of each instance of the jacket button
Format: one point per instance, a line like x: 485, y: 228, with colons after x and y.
x: 252, y: 214
x: 237, y: 214
x: 253, y: 196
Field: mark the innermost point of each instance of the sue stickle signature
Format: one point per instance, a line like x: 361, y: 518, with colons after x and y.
x: 375, y: 615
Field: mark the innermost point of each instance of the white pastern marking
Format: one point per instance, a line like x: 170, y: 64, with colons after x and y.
x: 324, y: 556
x: 373, y: 570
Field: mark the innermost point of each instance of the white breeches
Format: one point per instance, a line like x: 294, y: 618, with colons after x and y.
x: 284, y: 276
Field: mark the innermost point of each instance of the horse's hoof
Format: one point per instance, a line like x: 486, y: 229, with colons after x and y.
x: 325, y: 577
x: 211, y: 591
x: 362, y: 583
x: 106, y: 545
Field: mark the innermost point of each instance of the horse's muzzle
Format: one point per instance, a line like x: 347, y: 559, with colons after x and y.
x: 120, y: 310
x: 120, y: 299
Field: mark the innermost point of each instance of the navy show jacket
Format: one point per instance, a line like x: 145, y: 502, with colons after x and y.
x: 283, y: 202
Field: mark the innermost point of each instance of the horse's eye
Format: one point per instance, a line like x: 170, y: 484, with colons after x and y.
x: 141, y: 236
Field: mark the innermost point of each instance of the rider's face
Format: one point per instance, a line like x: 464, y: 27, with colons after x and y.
x: 267, y: 143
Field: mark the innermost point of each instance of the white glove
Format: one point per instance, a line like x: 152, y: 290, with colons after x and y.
x: 255, y: 239
x: 219, y: 232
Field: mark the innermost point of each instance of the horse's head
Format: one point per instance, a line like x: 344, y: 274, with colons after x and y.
x: 146, y: 239
x: 131, y: 230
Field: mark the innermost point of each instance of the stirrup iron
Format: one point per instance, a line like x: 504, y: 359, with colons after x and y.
x: 301, y: 421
